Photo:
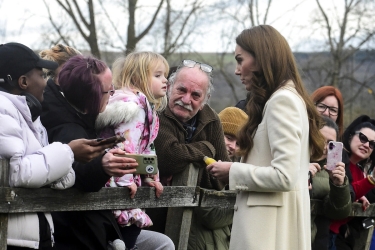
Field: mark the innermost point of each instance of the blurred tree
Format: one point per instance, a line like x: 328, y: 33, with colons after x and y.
x: 347, y: 28
x: 181, y: 24
x: 236, y: 16
x: 130, y: 7
x: 81, y: 23
x: 166, y: 25
x: 345, y: 58
x: 84, y: 19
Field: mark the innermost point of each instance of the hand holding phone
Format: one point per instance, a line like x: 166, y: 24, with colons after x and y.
x: 334, y: 154
x: 147, y: 164
x: 113, y: 139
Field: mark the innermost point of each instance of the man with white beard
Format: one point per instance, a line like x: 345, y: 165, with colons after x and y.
x: 190, y: 130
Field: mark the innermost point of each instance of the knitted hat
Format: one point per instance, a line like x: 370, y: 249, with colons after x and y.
x: 232, y: 119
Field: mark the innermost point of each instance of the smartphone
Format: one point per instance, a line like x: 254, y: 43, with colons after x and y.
x: 147, y: 164
x: 334, y: 154
x: 113, y: 139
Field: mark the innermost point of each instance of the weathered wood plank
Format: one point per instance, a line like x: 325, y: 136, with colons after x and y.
x: 212, y: 198
x: 3, y: 230
x: 15, y: 200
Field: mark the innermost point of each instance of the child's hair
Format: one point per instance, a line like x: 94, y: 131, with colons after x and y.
x: 58, y: 53
x: 135, y: 71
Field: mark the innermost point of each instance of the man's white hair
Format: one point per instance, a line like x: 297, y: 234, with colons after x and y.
x: 173, y: 77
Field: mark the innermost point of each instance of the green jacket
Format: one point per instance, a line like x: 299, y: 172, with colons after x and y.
x: 336, y: 199
x: 210, y: 229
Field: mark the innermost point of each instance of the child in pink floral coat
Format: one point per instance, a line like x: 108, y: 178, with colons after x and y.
x: 141, y: 85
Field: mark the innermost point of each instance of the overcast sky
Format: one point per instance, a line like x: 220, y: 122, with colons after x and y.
x: 23, y: 20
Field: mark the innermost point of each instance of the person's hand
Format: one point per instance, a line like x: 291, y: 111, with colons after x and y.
x: 118, y: 166
x: 85, y: 150
x: 220, y: 170
x: 158, y: 187
x: 365, y: 202
x: 314, y: 168
x: 337, y: 175
x: 132, y: 190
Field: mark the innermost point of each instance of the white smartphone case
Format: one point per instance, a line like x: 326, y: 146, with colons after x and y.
x: 334, y: 154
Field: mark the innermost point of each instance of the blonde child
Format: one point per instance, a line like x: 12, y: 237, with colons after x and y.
x: 141, y: 85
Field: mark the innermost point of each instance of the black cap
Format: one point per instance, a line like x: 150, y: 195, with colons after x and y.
x: 17, y: 59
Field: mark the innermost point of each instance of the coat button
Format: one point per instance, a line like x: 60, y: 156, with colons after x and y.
x: 235, y: 207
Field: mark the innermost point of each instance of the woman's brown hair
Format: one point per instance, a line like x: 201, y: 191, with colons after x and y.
x: 276, y: 65
x: 321, y: 93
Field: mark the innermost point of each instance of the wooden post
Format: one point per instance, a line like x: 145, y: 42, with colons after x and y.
x: 179, y: 219
x: 4, y: 182
x: 369, y: 238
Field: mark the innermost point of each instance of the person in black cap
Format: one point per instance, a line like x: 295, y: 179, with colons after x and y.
x: 23, y: 140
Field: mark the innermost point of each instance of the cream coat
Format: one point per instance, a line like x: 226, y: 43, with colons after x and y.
x: 272, y: 209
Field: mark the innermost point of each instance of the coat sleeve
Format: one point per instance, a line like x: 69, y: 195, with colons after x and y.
x: 283, y: 125
x: 31, y: 169
x: 90, y: 177
x: 337, y: 204
x: 174, y: 155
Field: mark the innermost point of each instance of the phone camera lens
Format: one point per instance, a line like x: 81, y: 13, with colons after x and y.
x: 331, y: 145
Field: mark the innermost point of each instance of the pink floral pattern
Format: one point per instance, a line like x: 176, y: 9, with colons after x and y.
x: 140, y: 134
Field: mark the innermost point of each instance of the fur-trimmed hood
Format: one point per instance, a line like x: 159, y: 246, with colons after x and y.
x: 118, y: 111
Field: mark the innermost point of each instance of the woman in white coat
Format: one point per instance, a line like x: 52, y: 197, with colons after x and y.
x: 272, y: 209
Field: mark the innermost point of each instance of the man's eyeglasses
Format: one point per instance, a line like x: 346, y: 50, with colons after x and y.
x: 190, y: 63
x: 333, y: 111
x: 110, y: 92
x: 364, y: 139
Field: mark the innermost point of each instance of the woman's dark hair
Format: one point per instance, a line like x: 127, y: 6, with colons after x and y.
x: 276, y: 65
x: 359, y: 123
x: 80, y: 83
x: 328, y: 122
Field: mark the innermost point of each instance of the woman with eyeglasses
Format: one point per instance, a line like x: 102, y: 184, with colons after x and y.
x: 328, y: 101
x: 272, y: 209
x: 359, y: 158
x: 69, y: 112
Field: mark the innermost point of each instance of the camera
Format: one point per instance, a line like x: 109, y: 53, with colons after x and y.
x: 368, y: 223
x: 331, y: 145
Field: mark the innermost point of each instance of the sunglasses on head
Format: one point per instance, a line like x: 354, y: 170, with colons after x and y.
x: 364, y: 139
x: 191, y: 63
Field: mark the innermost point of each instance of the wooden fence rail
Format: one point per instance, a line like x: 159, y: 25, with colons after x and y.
x: 181, y: 198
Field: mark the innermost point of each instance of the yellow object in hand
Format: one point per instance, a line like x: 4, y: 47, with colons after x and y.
x: 208, y: 160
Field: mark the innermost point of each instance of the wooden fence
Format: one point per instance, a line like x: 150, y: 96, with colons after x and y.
x: 181, y: 198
